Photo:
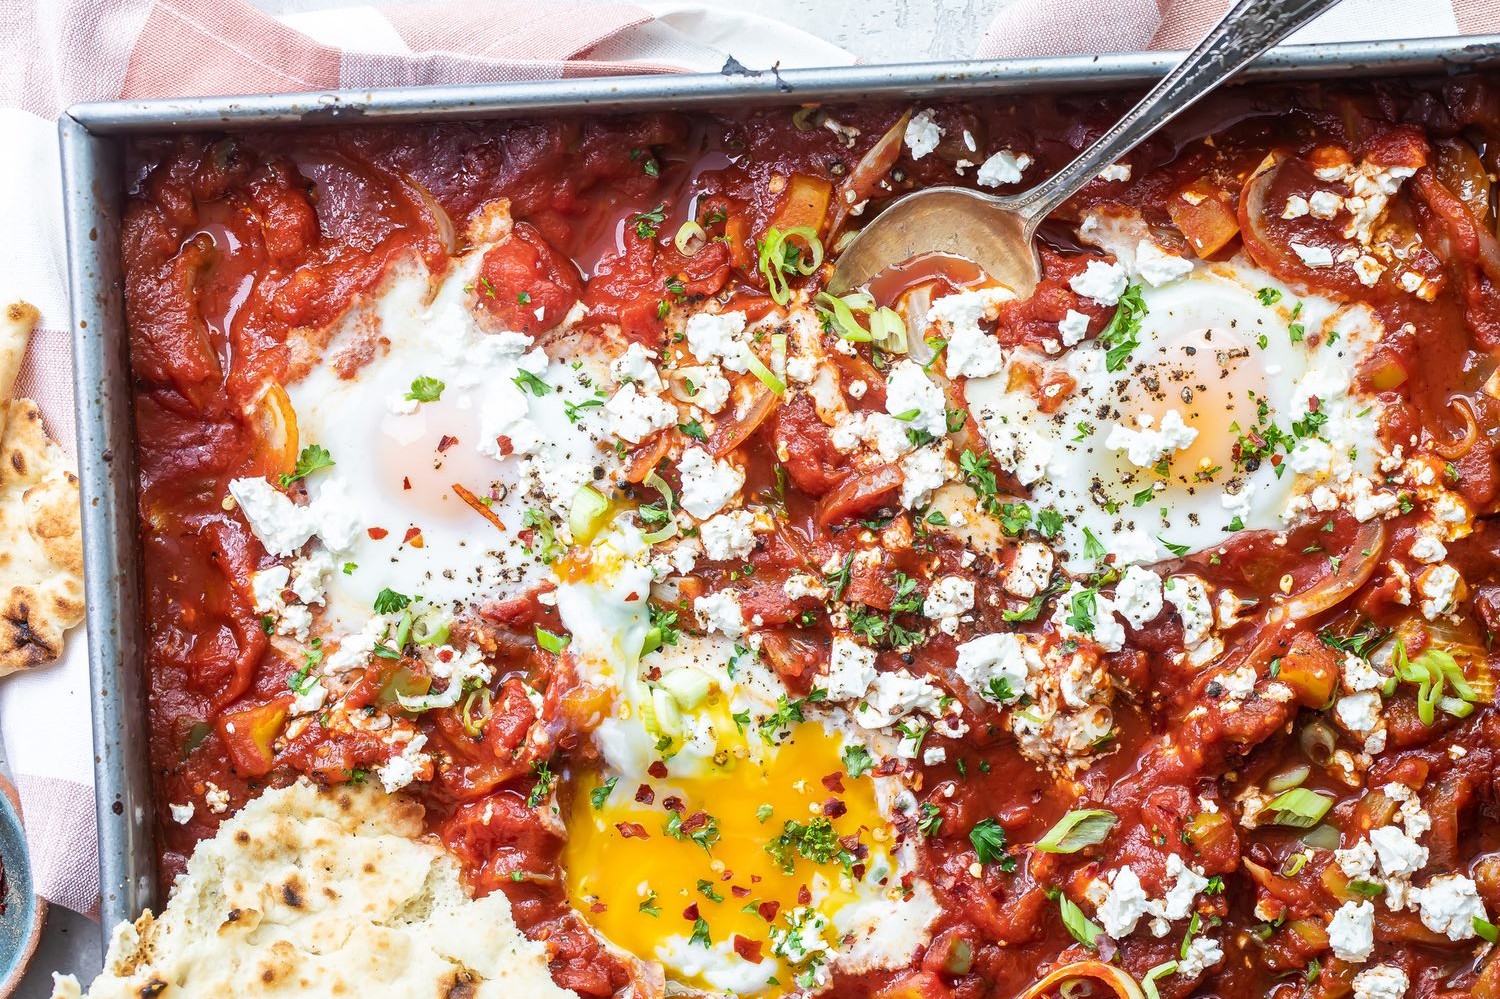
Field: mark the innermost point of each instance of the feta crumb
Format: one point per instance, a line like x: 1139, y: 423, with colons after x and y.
x: 1360, y: 712
x: 1115, y: 171
x: 948, y: 598
x: 922, y: 134
x: 1073, y: 328
x: 707, y: 484
x: 216, y: 798
x: 1202, y: 954
x: 1449, y: 905
x: 1004, y: 167
x: 718, y: 336
x: 911, y: 396
x: 988, y: 658
x: 1123, y: 905
x: 1146, y: 446
x: 1103, y: 282
x: 182, y: 814
x: 728, y: 536
x: 1138, y: 596
x: 637, y: 365
x: 401, y: 769
x: 922, y: 471
x: 1313, y: 256
x: 1438, y: 586
x: 633, y: 416
x: 1030, y: 570
x: 1296, y: 207
x: 851, y: 670
x: 895, y: 695
x: 1158, y: 267
x: 720, y: 612
x: 1324, y: 204
x: 1384, y: 981
x: 1351, y: 932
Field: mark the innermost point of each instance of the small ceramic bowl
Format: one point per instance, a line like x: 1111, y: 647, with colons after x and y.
x: 21, y: 922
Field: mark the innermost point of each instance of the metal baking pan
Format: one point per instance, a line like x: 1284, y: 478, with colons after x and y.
x: 92, y: 136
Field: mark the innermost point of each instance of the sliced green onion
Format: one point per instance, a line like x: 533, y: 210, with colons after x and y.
x: 1486, y: 930
x: 690, y: 238
x: 767, y: 377
x: 773, y: 259
x: 657, y: 537
x: 1456, y: 707
x: 474, y: 726
x: 1148, y: 983
x: 888, y: 330
x: 1324, y: 837
x: 552, y: 643
x: 1369, y: 889
x: 587, y: 515
x: 687, y: 686
x: 431, y: 629
x: 1294, y: 776
x: 660, y: 485
x: 1300, y: 808
x: 665, y: 712
x: 1084, y: 929
x: 1076, y: 830
x: 846, y: 324
x: 778, y: 355
x: 1294, y: 865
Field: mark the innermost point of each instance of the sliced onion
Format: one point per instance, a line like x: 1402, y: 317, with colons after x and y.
x: 690, y: 238
x: 1289, y: 778
x: 1318, y: 740
x: 442, y: 225
x: 888, y: 330
x: 1324, y: 837
x: 1107, y: 974
x: 1354, y: 570
x: 1460, y: 445
x: 731, y: 433
x: 869, y: 172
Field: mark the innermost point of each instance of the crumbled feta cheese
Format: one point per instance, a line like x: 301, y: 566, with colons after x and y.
x: 637, y: 365
x: 922, y: 471
x: 1438, y: 586
x: 990, y: 657
x: 913, y: 398
x: 922, y: 134
x: 1238, y: 684
x: 1202, y: 954
x: 1324, y: 204
x: 707, y: 483
x: 1428, y: 548
x: 1158, y: 267
x: 182, y: 814
x: 1359, y: 675
x: 1073, y: 328
x: 215, y: 797
x: 1368, y: 270
x: 1138, y: 596
x: 800, y: 585
x: 895, y: 695
x: 1351, y: 931
x: 1004, y: 167
x: 401, y: 769
x: 1147, y: 446
x: 1313, y: 256
x: 851, y: 670
x: 1103, y: 282
x: 948, y: 598
x: 633, y: 416
x: 1384, y: 981
x: 1030, y: 570
x: 728, y: 536
x: 283, y: 526
x: 1102, y: 627
x: 720, y: 612
x: 1124, y: 904
x: 1449, y: 904
x: 1399, y: 854
x: 972, y: 352
x: 1296, y: 207
x: 1359, y: 712
x: 718, y: 337
x: 1115, y: 171
x: 1190, y: 596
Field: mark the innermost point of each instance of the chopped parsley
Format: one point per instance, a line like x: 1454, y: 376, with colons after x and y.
x: 312, y: 458
x: 1123, y: 334
x: 425, y: 389
x: 599, y: 795
x: 988, y: 840
x: 647, y: 223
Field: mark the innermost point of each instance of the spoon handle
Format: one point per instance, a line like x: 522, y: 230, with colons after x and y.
x: 1250, y: 27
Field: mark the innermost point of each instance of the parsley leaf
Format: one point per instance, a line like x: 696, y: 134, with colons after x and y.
x: 1123, y: 334
x: 425, y: 389
x: 312, y: 458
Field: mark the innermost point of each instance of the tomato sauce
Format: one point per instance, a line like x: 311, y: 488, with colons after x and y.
x: 232, y: 242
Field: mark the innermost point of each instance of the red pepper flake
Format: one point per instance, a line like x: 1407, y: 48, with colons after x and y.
x: 857, y: 871
x: 834, y: 782
x: 739, y: 892
x: 804, y: 897
x: 768, y: 910
x: 413, y: 537
x: 377, y: 533
x: 834, y: 807
x: 445, y: 442
x: 644, y: 794
x: 694, y: 822
x: 672, y: 803
x: 755, y: 879
x: 748, y: 950
x: 657, y: 769
x: 598, y: 907
x: 691, y: 912
x: 505, y: 446
x: 632, y: 830
x: 632, y: 597
x: 405, y: 482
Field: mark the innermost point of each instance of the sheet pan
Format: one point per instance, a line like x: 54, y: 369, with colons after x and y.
x: 92, y: 136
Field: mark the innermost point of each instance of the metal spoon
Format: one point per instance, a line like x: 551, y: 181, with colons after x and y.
x: 996, y: 232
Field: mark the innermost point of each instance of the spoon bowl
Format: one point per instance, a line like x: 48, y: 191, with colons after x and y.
x: 997, y: 233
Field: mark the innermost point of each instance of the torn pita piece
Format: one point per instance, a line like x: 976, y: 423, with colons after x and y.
x: 41, y: 542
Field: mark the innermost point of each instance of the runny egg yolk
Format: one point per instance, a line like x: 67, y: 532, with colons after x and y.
x: 639, y: 891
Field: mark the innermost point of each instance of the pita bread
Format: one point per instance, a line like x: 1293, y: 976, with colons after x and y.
x: 41, y: 542
x: 16, y: 324
x: 323, y: 893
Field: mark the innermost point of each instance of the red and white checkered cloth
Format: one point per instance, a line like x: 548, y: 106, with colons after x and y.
x: 61, y: 51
